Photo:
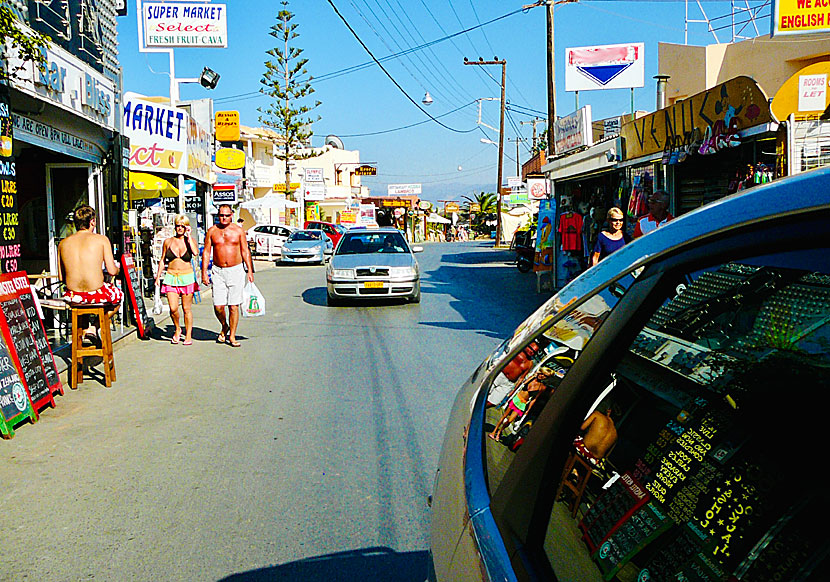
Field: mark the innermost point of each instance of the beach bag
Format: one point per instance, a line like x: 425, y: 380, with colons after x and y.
x: 253, y: 301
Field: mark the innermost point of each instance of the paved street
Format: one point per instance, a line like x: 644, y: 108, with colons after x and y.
x: 306, y: 454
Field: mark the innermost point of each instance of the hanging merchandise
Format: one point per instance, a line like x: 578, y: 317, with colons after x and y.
x: 570, y: 231
x: 641, y: 190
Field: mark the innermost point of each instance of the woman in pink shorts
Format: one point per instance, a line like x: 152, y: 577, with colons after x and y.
x: 179, y: 280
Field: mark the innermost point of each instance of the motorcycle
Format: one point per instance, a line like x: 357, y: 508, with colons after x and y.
x: 524, y: 243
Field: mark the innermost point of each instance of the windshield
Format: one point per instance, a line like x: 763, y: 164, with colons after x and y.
x: 372, y: 242
x: 304, y: 235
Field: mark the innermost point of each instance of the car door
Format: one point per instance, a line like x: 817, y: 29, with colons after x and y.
x: 668, y: 445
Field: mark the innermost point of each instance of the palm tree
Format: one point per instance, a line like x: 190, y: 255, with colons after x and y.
x: 486, y: 202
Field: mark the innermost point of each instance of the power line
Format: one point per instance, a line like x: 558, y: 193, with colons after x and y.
x: 391, y: 78
x: 405, y: 126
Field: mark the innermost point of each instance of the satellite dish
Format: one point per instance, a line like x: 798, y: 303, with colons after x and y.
x: 335, y: 142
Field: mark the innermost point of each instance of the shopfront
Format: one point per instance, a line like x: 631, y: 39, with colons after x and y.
x: 709, y: 145
x: 586, y: 183
x: 63, y: 121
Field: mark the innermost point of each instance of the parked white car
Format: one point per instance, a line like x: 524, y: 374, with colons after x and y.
x: 268, y: 239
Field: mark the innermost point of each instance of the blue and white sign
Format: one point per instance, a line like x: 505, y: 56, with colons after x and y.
x: 611, y: 66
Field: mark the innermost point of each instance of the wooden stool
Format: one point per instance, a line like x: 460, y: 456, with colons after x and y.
x: 584, y: 470
x: 79, y: 351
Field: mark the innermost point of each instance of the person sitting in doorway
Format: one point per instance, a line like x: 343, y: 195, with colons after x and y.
x: 599, y: 436
x: 80, y: 258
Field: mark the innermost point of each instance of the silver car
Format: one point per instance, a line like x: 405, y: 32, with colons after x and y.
x: 306, y: 246
x: 373, y: 264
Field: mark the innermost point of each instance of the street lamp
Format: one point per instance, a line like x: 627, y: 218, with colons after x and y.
x: 427, y: 100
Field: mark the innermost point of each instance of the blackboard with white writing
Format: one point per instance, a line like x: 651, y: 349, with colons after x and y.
x: 144, y: 322
x: 15, y: 405
x: 19, y: 332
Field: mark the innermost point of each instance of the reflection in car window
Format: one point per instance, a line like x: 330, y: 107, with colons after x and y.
x: 528, y: 381
x: 691, y: 463
x: 304, y: 235
x: 372, y: 242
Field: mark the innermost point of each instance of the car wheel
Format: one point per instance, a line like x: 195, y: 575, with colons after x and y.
x: 416, y: 298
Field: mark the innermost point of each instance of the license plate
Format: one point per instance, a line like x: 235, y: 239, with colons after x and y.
x: 373, y: 285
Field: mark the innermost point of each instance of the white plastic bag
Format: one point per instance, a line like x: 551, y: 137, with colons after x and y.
x: 158, y: 306
x: 253, y: 301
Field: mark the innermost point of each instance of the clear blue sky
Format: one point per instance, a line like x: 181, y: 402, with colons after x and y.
x: 358, y: 103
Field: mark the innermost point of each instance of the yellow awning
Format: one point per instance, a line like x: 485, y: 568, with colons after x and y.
x: 144, y: 185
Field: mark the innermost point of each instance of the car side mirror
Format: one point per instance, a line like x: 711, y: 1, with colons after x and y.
x: 417, y: 249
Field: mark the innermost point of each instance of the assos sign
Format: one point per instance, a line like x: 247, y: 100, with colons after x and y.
x: 168, y: 25
x: 158, y: 135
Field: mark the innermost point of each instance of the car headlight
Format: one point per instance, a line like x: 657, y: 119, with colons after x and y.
x: 402, y: 272
x: 342, y: 273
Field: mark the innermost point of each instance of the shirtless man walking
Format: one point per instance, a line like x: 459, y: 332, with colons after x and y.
x: 227, y: 242
x: 81, y: 257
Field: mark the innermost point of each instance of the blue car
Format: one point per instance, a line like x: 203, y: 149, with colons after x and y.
x: 662, y: 417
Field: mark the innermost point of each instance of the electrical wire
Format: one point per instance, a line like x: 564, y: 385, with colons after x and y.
x: 405, y: 126
x: 391, y: 78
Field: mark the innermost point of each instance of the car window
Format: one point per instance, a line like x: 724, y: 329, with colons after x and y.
x: 528, y: 381
x: 693, y: 460
x: 367, y: 242
x: 304, y: 235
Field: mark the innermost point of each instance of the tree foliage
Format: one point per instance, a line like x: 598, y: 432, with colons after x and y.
x: 27, y: 45
x: 487, y: 206
x: 287, y: 82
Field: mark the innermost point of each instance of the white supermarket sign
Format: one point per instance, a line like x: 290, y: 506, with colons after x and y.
x: 172, y: 24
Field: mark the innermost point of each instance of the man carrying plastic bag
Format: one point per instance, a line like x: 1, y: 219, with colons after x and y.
x: 253, y: 301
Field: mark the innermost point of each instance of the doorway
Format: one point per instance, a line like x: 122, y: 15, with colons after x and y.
x: 69, y: 186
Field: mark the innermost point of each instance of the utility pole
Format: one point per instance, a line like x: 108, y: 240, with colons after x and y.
x: 503, y: 64
x: 518, y: 140
x: 534, y: 122
x: 551, y: 80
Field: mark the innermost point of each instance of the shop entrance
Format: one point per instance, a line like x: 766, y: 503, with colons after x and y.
x: 67, y: 187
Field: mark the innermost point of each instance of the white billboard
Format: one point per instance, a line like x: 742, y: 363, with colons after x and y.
x: 158, y: 135
x: 573, y: 131
x: 611, y: 66
x: 403, y: 189
x: 180, y: 24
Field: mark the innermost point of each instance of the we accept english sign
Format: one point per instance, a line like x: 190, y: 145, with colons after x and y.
x: 158, y: 135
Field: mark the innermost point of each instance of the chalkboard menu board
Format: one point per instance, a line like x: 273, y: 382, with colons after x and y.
x: 19, y: 338
x: 9, y: 217
x: 143, y: 321
x: 44, y: 350
x: 633, y: 535
x: 15, y: 405
x: 620, y: 501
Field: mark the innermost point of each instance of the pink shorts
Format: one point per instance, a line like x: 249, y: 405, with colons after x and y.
x: 513, y: 408
x: 108, y: 294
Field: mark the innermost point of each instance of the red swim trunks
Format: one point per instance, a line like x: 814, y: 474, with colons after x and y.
x: 580, y: 447
x: 108, y: 294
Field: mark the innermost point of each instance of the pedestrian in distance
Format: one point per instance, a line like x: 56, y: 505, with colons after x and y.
x: 610, y: 239
x: 80, y: 257
x: 179, y: 281
x: 226, y: 242
x: 658, y: 214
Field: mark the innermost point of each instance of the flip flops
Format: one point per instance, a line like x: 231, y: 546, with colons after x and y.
x: 234, y: 344
x: 175, y: 338
x: 187, y: 343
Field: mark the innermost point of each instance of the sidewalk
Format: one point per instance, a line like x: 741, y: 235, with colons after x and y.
x: 63, y: 356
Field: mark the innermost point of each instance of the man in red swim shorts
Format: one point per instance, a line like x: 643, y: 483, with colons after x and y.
x: 81, y: 257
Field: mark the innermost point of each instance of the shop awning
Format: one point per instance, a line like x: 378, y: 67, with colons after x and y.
x: 144, y: 185
x: 437, y: 218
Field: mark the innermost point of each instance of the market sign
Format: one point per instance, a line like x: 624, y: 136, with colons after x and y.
x: 366, y: 170
x: 230, y: 159
x: 280, y: 187
x: 158, y: 135
x: 475, y: 207
x: 168, y: 25
x: 227, y: 125
x: 451, y: 207
x: 314, y: 191
x: 403, y: 189
x: 708, y: 116
x: 805, y: 93
x: 611, y: 66
x: 573, y: 131
x: 799, y: 17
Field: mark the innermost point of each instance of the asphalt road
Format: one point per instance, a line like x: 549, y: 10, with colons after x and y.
x: 306, y: 454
